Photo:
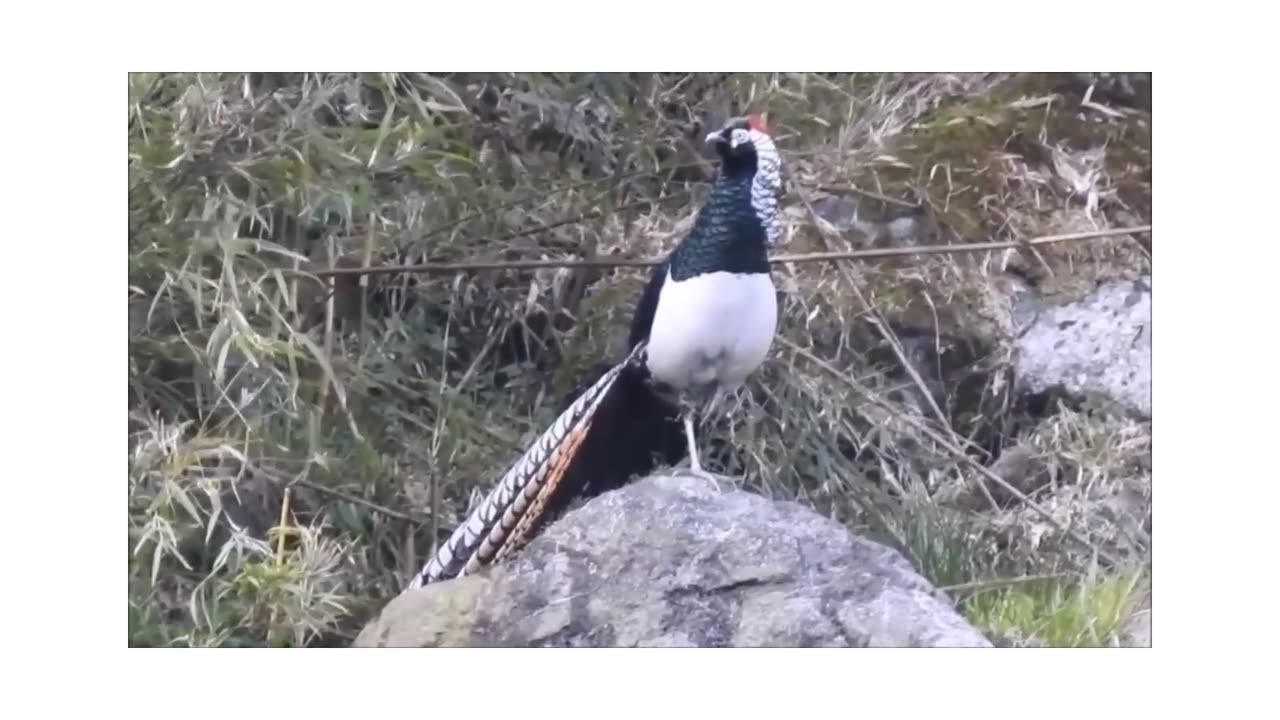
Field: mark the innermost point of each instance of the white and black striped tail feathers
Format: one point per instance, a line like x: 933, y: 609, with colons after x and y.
x: 617, y: 427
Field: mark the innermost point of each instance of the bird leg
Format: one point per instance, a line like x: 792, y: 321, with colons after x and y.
x: 703, y: 402
x: 695, y: 465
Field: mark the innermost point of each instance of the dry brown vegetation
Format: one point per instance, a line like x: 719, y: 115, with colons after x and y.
x: 385, y: 406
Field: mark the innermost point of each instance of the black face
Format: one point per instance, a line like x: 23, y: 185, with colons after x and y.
x: 733, y: 144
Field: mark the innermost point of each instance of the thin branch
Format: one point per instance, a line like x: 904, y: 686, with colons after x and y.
x: 872, y: 253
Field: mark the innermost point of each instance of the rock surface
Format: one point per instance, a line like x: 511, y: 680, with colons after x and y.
x: 671, y: 561
x: 1100, y: 346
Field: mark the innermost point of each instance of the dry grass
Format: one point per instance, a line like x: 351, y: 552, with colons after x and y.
x: 387, y: 412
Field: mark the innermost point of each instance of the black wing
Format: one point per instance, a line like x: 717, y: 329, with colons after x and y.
x: 647, y: 307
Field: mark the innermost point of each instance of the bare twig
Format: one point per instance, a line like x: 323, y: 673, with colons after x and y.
x: 1089, y: 103
x: 868, y: 254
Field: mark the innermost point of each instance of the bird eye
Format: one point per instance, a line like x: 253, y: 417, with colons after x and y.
x: 738, y: 137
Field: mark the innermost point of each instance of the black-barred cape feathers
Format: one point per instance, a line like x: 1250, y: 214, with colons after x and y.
x: 615, y: 429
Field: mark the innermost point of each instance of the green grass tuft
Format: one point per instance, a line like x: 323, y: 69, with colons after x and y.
x: 1080, y: 612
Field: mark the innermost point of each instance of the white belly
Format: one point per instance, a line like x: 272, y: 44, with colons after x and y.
x: 713, y: 328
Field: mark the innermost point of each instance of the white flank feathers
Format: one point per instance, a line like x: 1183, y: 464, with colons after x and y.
x: 712, y: 328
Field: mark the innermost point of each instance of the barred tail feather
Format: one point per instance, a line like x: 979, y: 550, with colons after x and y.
x: 610, y: 431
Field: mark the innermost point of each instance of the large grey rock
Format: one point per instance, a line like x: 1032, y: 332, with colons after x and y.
x: 671, y: 561
x: 1099, y: 346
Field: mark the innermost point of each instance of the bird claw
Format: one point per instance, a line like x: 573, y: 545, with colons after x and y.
x: 718, y: 482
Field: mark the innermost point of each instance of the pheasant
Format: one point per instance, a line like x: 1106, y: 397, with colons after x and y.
x: 704, y: 323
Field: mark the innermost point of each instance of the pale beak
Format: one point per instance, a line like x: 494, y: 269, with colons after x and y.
x: 714, y: 138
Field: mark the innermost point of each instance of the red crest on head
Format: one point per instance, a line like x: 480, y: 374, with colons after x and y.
x: 758, y: 122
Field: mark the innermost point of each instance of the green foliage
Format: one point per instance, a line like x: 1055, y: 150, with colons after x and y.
x: 1091, y: 611
x: 250, y: 375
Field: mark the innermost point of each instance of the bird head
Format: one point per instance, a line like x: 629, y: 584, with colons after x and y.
x: 740, y: 142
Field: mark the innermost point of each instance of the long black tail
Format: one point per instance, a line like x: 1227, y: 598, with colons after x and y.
x: 615, y: 429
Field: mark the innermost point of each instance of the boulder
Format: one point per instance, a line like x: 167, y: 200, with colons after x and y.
x: 671, y: 560
x: 1099, y: 346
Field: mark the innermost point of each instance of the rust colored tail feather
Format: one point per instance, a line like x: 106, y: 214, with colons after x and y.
x: 615, y: 429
